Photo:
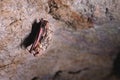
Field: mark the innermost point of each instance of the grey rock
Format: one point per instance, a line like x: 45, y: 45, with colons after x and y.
x: 84, y: 41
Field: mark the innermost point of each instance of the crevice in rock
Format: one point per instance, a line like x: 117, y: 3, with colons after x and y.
x: 77, y: 72
x: 115, y: 71
x: 116, y: 66
x: 35, y: 78
x: 57, y: 74
x: 13, y: 62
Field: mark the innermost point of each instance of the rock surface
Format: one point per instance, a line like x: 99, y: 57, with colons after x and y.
x: 84, y: 42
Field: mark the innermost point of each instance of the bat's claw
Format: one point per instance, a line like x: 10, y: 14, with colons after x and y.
x: 36, y: 53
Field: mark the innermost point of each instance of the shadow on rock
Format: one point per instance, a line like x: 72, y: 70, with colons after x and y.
x: 31, y: 37
x: 116, y: 66
x: 35, y: 78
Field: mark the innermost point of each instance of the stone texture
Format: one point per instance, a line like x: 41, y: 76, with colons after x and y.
x: 84, y: 42
x: 63, y: 12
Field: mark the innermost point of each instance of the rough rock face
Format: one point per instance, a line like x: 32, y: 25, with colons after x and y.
x: 84, y: 42
x: 63, y: 12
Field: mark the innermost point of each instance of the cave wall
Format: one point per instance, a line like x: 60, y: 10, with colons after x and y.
x: 76, y: 16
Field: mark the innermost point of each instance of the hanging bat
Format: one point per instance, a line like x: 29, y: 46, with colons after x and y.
x: 39, y: 36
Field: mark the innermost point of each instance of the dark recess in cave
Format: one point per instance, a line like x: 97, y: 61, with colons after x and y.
x: 116, y: 66
x: 35, y: 78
